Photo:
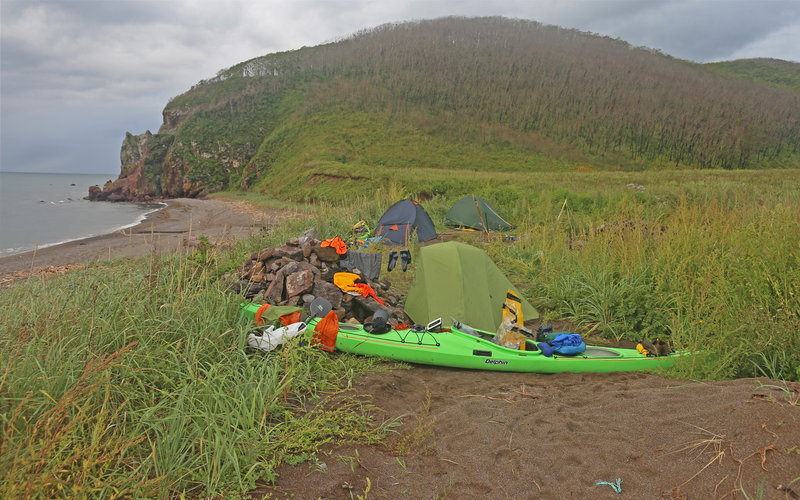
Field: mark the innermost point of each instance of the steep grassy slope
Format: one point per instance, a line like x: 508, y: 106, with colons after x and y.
x: 487, y: 94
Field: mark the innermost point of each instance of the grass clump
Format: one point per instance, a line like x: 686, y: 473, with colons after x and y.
x: 130, y: 379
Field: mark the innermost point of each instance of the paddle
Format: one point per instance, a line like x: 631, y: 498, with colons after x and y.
x: 319, y: 307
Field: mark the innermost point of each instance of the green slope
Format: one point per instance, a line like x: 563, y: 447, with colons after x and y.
x: 774, y: 72
x: 466, y: 95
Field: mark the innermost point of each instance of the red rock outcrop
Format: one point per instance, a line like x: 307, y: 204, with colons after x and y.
x: 148, y: 172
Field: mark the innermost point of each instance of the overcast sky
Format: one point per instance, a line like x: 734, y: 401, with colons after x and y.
x: 75, y: 75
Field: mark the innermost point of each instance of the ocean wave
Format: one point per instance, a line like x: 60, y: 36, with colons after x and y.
x: 14, y: 250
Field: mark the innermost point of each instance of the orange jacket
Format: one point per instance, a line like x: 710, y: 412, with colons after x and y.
x: 326, y: 331
x: 337, y: 245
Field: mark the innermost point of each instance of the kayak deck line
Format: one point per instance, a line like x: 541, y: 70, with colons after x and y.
x: 394, y: 343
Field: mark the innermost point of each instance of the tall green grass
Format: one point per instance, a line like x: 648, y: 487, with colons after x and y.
x: 706, y: 260
x: 710, y: 265
x: 130, y: 379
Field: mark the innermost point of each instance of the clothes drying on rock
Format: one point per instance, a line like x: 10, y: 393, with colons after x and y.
x: 368, y: 263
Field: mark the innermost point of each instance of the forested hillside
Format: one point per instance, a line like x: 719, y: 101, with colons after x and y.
x: 482, y: 94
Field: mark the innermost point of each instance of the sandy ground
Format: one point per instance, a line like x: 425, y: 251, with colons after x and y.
x: 174, y: 228
x: 471, y: 434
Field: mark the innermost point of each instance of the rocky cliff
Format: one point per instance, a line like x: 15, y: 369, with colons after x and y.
x: 148, y: 171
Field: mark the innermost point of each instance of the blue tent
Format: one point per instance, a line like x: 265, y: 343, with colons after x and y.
x: 401, y: 219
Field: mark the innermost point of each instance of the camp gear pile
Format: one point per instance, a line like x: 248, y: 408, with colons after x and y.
x: 301, y: 270
x: 453, y: 281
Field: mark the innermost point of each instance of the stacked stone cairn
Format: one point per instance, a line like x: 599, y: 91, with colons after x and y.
x: 301, y: 270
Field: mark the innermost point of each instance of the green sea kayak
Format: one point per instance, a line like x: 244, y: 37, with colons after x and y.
x: 458, y: 349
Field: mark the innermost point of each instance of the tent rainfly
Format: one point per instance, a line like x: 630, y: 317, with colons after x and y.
x: 458, y: 281
x: 474, y: 212
x: 401, y: 219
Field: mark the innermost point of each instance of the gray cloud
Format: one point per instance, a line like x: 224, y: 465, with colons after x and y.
x: 76, y: 74
x: 709, y: 30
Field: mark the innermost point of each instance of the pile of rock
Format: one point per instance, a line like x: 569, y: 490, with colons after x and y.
x: 301, y: 270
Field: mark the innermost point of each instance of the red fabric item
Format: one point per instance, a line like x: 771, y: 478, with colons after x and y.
x: 368, y: 291
x: 291, y: 318
x: 286, y: 319
x: 394, y: 228
x: 258, y: 319
x: 326, y: 331
x: 337, y: 243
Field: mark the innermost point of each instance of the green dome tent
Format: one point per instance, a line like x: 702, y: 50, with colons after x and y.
x: 475, y: 213
x: 455, y: 280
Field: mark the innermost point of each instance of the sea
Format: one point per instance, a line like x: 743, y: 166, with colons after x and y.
x: 40, y: 210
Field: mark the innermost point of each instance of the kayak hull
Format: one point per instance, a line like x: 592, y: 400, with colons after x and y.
x: 454, y: 348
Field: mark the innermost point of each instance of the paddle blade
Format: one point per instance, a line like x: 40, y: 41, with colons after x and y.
x: 319, y: 307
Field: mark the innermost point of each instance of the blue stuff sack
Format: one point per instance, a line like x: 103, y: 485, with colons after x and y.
x: 546, y: 348
x: 568, y: 344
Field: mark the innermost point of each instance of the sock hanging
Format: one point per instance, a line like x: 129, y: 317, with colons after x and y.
x: 392, y: 261
x: 405, y: 259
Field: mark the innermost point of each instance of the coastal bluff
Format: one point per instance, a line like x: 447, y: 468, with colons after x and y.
x: 147, y: 172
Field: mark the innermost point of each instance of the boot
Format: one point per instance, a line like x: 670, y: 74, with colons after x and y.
x: 392, y: 261
x: 405, y: 259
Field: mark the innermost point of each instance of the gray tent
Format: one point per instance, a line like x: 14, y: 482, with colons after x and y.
x: 401, y: 219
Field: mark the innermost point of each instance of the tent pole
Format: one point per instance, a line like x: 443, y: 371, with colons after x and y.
x: 562, y: 209
x: 482, y: 217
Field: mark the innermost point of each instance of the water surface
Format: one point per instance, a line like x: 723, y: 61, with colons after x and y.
x: 38, y: 210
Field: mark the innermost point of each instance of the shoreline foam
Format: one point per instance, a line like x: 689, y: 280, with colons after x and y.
x: 35, y: 248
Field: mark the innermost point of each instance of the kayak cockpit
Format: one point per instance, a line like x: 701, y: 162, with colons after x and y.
x: 600, y: 352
